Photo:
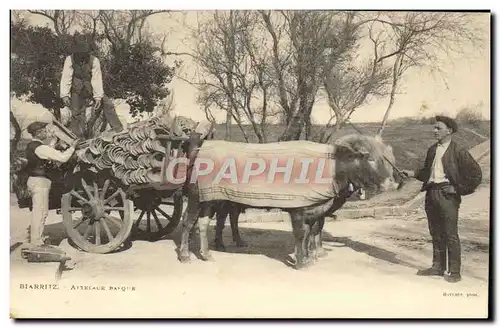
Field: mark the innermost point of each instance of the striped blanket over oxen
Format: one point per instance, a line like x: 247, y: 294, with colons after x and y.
x: 283, y: 174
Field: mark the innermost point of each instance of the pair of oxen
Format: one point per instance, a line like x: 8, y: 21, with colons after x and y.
x: 359, y: 162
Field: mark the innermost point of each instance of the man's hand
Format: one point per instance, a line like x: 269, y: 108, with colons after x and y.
x: 74, y: 143
x: 98, y: 103
x: 408, y: 173
x: 66, y: 102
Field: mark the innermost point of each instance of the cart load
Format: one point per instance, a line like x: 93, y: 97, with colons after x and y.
x: 116, y: 179
x: 137, y: 156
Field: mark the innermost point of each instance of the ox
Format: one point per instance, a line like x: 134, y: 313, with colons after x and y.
x: 358, y: 161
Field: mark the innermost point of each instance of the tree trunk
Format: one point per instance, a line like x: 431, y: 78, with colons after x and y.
x: 293, y: 129
x: 395, y: 80
x: 228, y: 124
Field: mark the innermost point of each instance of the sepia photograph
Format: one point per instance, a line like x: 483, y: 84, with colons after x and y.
x: 250, y: 164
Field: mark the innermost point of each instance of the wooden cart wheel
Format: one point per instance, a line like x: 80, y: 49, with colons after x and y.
x: 157, y: 217
x: 96, y: 228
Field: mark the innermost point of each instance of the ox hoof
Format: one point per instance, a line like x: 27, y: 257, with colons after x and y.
x: 241, y: 243
x: 303, y: 264
x: 220, y: 247
x: 207, y: 257
x: 322, y: 253
x: 184, y: 259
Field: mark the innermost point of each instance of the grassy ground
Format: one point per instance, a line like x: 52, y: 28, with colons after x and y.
x: 409, y: 141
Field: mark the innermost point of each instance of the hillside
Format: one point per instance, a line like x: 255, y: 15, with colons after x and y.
x: 409, y: 141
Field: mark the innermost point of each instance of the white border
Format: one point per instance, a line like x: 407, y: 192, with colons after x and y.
x: 191, y: 5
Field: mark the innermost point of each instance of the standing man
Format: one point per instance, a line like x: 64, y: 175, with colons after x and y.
x: 449, y: 172
x: 41, y: 158
x: 81, y: 81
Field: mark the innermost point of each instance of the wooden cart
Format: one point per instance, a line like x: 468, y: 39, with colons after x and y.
x: 98, y: 211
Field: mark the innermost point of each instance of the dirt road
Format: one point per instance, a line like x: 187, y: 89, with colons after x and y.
x: 369, y: 272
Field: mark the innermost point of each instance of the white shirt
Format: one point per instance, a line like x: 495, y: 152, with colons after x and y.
x: 437, y: 170
x: 67, y: 78
x: 47, y: 152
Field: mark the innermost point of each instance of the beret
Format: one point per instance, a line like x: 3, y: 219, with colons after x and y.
x: 448, y: 121
x: 35, y: 126
x: 80, y: 44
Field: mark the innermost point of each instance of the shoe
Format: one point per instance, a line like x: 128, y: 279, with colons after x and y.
x: 453, y: 277
x: 430, y: 272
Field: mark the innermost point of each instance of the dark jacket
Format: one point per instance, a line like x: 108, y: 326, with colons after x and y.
x: 37, y: 167
x: 460, y: 168
x: 82, y: 75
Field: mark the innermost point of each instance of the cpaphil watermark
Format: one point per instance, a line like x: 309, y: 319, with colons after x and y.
x: 265, y: 170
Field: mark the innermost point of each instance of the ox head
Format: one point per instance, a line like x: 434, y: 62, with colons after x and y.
x: 363, y: 161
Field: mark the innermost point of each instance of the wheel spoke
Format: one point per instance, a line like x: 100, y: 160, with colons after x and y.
x: 116, y: 193
x: 96, y: 191
x: 158, y: 223
x: 111, y: 208
x: 167, y: 203
x: 149, y: 222
x: 164, y: 214
x: 106, y: 229
x: 86, y: 234
x: 83, y: 219
x: 77, y: 195
x: 109, y: 217
x: 97, y: 233
x: 87, y: 189
x: 139, y: 219
x: 104, y: 189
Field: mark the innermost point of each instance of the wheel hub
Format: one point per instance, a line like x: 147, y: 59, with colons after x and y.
x: 147, y: 202
x: 93, y: 210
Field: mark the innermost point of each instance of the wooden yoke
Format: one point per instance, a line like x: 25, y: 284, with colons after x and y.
x: 192, y: 153
x: 166, y: 159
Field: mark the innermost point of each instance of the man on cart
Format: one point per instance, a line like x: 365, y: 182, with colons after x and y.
x: 81, y: 84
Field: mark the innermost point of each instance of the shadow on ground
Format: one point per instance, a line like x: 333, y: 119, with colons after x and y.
x: 370, y: 250
x: 278, y: 244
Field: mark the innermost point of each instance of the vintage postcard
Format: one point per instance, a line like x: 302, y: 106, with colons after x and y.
x: 250, y: 164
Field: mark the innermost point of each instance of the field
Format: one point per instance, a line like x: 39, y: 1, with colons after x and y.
x: 409, y: 141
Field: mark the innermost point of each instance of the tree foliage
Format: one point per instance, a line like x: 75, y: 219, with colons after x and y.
x: 131, y: 62
x: 253, y: 63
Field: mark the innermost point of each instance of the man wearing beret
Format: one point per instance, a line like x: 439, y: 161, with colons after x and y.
x: 40, y: 158
x: 449, y: 172
x: 81, y: 81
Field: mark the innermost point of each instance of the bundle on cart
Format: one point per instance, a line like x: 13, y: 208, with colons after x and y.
x: 136, y: 156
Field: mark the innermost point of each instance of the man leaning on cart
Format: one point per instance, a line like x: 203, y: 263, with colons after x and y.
x: 42, y: 158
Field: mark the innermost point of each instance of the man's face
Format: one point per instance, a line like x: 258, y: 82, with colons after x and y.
x: 441, y: 130
x: 42, y: 134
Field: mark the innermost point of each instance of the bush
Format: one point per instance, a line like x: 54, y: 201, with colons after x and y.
x: 470, y: 115
x: 131, y: 72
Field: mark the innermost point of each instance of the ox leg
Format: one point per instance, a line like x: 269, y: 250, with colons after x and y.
x: 204, y: 249
x: 319, y: 238
x: 312, y: 246
x: 234, y: 214
x: 300, y: 232
x: 219, y: 228
x: 189, y: 219
x: 320, y: 251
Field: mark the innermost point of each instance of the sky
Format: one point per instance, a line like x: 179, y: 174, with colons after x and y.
x: 465, y: 81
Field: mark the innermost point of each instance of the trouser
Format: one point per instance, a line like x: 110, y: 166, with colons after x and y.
x: 442, y: 215
x: 39, y: 189
x: 78, y: 121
